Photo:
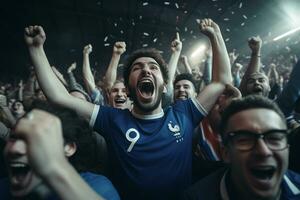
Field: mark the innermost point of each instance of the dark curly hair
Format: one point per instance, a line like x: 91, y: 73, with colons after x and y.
x: 147, y: 52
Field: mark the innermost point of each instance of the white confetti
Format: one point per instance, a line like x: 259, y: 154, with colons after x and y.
x: 176, y: 5
x: 145, y: 3
x: 167, y: 3
x: 194, y: 37
x: 105, y: 39
x: 185, y: 12
x: 241, y: 5
x: 145, y: 45
x: 106, y: 44
x: 242, y: 24
x: 191, y: 31
x: 115, y: 24
x: 198, y: 21
x: 226, y: 19
x: 186, y: 29
x: 133, y: 24
x: 154, y: 40
x: 214, y: 0
x: 140, y: 17
x: 227, y: 39
x: 232, y: 12
x: 220, y: 9
x: 183, y: 39
x: 245, y: 16
x: 121, y: 31
x: 146, y: 34
x: 227, y: 29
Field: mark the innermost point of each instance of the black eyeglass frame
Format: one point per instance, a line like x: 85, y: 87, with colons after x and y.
x: 230, y: 135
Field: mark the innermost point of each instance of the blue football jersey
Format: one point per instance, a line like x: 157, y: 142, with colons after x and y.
x: 151, y: 156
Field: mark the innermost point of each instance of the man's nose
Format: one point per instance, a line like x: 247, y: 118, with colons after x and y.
x: 262, y: 148
x: 16, y: 147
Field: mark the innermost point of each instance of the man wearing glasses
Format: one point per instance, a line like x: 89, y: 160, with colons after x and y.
x: 256, y: 149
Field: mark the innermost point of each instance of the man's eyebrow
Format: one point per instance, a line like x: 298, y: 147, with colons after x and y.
x: 141, y: 63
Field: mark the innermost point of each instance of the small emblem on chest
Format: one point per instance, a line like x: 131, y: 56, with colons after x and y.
x: 175, y: 129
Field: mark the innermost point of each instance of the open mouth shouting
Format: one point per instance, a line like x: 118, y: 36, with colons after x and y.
x: 145, y: 90
x: 20, y: 175
x: 262, y: 177
x: 120, y: 102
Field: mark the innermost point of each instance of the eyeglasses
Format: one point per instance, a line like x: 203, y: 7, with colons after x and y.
x: 244, y: 140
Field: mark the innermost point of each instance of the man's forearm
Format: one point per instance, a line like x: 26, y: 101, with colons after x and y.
x: 111, y: 72
x: 51, y: 86
x: 221, y: 71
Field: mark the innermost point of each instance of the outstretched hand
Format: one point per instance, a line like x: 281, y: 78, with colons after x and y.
x: 34, y: 36
x: 208, y: 27
x: 176, y: 44
x: 119, y: 48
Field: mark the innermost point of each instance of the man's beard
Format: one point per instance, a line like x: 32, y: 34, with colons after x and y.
x: 148, y: 107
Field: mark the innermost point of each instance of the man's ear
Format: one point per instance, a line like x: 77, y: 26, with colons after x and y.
x: 225, y: 154
x: 70, y: 149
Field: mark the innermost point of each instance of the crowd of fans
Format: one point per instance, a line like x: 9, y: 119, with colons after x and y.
x: 231, y: 122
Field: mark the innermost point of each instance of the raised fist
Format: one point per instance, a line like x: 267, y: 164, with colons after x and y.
x: 208, y: 27
x: 119, y: 48
x: 72, y: 67
x: 254, y: 43
x: 87, y: 49
x: 176, y: 44
x: 34, y: 36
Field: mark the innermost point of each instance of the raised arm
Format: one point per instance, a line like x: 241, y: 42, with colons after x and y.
x: 221, y: 70
x: 185, y: 62
x: 88, y: 76
x: 53, y: 89
x: 42, y: 133
x: 111, y: 72
x: 176, y: 47
x: 254, y: 64
x: 59, y: 76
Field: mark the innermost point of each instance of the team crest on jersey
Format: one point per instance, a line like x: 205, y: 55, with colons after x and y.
x: 175, y: 130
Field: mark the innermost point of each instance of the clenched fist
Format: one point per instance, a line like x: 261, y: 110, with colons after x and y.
x: 208, y: 27
x: 119, y: 48
x: 34, y: 36
x: 87, y: 49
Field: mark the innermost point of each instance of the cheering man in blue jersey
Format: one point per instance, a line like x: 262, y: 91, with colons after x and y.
x: 150, y: 148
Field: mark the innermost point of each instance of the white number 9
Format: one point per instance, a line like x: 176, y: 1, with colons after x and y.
x: 133, y: 140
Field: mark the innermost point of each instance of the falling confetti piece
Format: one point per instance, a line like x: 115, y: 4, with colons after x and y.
x: 105, y: 39
x: 198, y: 21
x: 183, y: 39
x: 176, y: 5
x: 232, y: 12
x: 227, y: 29
x: 242, y: 24
x: 146, y: 34
x: 154, y: 40
x: 145, y: 45
x: 121, y: 31
x: 145, y: 3
x: 241, y: 5
x: 245, y: 16
x: 194, y: 37
x: 133, y: 24
x: 191, y: 31
x: 167, y: 3
x: 106, y: 44
x: 220, y: 9
x: 186, y: 29
x: 227, y: 39
x: 141, y: 17
x: 185, y: 12
x: 214, y: 0
x: 226, y: 19
x: 115, y: 24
